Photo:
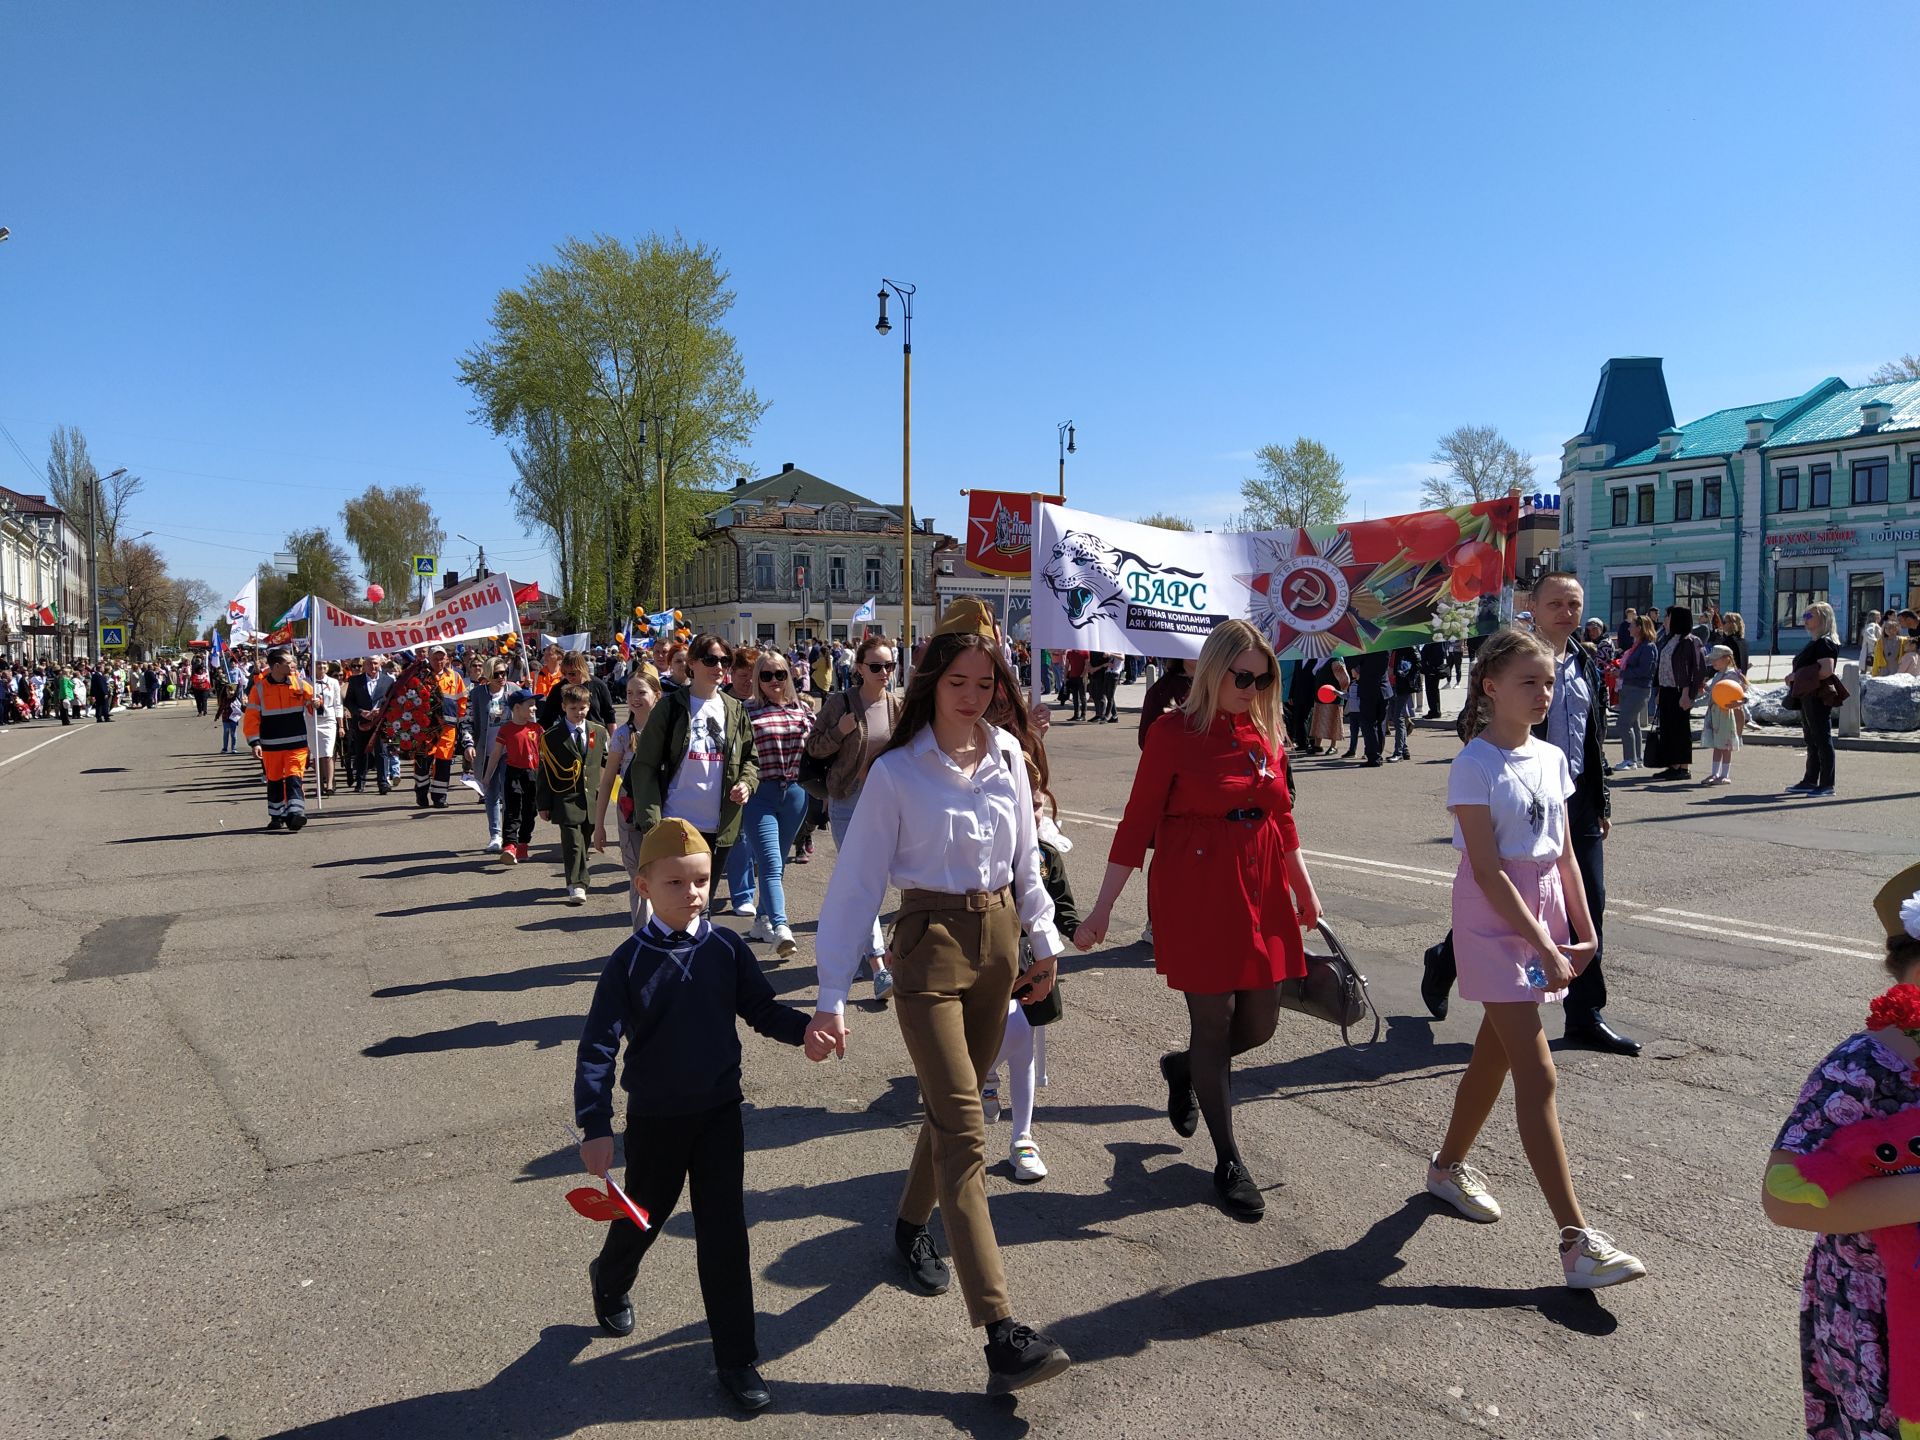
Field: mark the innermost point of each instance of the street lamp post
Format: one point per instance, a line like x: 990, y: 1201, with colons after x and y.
x: 1065, y: 432
x: 906, y: 293
x: 1774, y: 555
x: 93, y: 559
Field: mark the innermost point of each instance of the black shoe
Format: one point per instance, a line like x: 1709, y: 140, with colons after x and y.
x: 439, y: 802
x: 745, y: 1388
x: 926, y: 1271
x: 1375, y: 762
x: 1434, y: 986
x: 1674, y: 772
x: 296, y: 823
x: 1348, y: 755
x: 1183, y: 1109
x: 615, y: 1313
x: 276, y: 823
x: 1594, y: 1032
x: 1019, y: 1356
x: 419, y: 799
x: 1239, y: 1196
x: 386, y: 789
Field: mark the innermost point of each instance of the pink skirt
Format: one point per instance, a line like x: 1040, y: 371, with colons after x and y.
x: 1492, y: 960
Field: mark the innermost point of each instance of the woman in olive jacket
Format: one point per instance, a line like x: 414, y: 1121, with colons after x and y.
x: 661, y: 748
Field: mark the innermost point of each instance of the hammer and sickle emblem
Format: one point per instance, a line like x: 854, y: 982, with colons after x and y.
x: 1307, y: 588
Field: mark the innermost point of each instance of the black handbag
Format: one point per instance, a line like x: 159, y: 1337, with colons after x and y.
x: 813, y: 770
x: 1332, y: 990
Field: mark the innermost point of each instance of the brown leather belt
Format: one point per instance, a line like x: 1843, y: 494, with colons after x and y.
x: 912, y: 901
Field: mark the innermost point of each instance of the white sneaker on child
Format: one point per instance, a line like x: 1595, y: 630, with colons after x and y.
x: 1593, y: 1262
x: 1027, y: 1164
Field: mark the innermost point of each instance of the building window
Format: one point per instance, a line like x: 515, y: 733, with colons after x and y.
x: 763, y: 570
x: 1619, y: 507
x: 1798, y: 587
x: 802, y: 569
x: 1913, y: 582
x: 1710, y: 500
x: 1643, y: 505
x: 1819, y: 486
x: 1913, y: 478
x: 1870, y: 482
x: 1699, y: 591
x: 1682, y: 500
x: 766, y: 636
x: 874, y: 583
x: 1866, y: 591
x: 1630, y: 592
x: 1789, y: 489
x: 1566, y: 511
x: 836, y: 572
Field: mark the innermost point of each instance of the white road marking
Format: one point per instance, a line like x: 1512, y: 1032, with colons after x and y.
x: 1719, y: 927
x: 63, y: 735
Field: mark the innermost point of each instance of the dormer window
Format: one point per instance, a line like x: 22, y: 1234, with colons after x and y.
x: 1669, y: 441
x: 1875, y: 413
x: 1760, y: 429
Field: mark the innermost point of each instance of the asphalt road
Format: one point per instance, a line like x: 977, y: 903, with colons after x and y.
x: 284, y: 1127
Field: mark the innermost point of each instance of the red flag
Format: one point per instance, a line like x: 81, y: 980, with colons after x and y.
x: 1000, y: 531
x: 527, y: 594
x: 46, y: 615
x: 281, y: 636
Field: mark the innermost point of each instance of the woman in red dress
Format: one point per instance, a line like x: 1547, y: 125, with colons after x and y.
x: 1228, y: 893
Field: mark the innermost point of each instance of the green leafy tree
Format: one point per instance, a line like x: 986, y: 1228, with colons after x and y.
x: 1299, y: 484
x: 1480, y: 465
x: 608, y: 366
x: 388, y: 528
x: 187, y: 601
x: 1907, y: 367
x: 321, y: 568
x: 1166, y: 522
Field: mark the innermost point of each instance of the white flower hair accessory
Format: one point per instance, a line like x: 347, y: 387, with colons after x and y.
x: 1910, y: 916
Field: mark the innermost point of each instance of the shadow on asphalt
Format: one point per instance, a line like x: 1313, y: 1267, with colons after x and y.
x: 1408, y: 1045
x: 545, y: 1033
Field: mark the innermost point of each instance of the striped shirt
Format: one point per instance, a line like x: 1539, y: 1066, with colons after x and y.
x: 779, y: 738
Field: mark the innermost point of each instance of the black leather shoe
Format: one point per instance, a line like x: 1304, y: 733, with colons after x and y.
x: 745, y: 1388
x: 1434, y: 987
x: 926, y: 1271
x: 1183, y: 1108
x: 296, y: 823
x: 615, y: 1314
x: 276, y: 822
x: 1019, y: 1356
x: 1239, y: 1196
x: 1594, y: 1032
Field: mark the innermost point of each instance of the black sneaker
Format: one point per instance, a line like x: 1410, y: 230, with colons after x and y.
x: 1019, y: 1356
x: 276, y: 822
x: 926, y: 1271
x: 1239, y: 1196
x: 614, y: 1313
x: 1183, y: 1110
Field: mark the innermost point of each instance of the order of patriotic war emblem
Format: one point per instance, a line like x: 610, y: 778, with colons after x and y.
x: 1095, y: 580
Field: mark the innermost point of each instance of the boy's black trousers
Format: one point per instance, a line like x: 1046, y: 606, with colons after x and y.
x: 706, y: 1152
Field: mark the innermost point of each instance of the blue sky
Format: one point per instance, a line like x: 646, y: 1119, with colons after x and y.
x: 250, y: 242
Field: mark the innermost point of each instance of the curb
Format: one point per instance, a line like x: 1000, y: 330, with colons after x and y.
x: 1884, y: 744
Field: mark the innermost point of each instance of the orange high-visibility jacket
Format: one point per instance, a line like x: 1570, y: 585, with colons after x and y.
x: 275, y: 717
x: 452, y: 686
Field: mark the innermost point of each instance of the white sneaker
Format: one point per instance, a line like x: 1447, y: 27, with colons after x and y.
x: 744, y: 909
x: 784, y: 944
x: 762, y: 930
x: 1027, y: 1164
x: 1593, y: 1262
x: 1462, y: 1187
x: 577, y: 895
x: 493, y: 846
x: 882, y: 985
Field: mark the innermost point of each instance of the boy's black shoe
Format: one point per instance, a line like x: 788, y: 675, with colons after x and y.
x: 1183, y: 1109
x: 926, y: 1271
x: 1019, y: 1356
x: 1239, y: 1196
x: 1434, y: 985
x: 276, y: 822
x: 745, y: 1388
x: 616, y: 1314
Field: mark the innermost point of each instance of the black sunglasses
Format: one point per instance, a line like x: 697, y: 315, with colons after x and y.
x: 883, y: 667
x: 779, y: 675
x: 1244, y: 678
x: 716, y: 660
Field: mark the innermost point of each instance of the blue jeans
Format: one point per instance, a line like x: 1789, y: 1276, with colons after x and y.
x: 229, y: 736
x: 496, y: 793
x: 771, y: 820
x: 741, y: 889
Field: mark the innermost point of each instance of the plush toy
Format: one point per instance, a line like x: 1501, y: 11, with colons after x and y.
x: 1867, y: 1150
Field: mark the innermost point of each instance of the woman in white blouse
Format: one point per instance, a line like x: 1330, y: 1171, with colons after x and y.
x: 946, y: 814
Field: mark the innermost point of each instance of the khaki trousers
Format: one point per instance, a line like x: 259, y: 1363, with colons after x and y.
x: 955, y: 960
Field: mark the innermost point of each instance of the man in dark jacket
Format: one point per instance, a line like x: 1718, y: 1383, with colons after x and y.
x: 1433, y: 664
x: 1577, y: 724
x: 1374, y: 671
x: 100, y: 692
x: 367, y: 690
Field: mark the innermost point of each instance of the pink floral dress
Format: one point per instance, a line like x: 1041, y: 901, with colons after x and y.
x: 1843, y: 1295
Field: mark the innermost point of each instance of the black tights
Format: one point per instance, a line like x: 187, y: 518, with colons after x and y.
x: 1224, y: 1026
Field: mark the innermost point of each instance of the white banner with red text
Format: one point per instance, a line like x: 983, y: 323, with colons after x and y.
x: 474, y: 611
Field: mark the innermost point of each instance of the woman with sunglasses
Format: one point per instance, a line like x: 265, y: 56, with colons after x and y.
x: 1228, y: 894
x: 853, y: 727
x: 695, y: 760
x: 781, y: 722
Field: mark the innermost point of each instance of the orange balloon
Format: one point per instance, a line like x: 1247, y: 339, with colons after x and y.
x: 1728, y: 693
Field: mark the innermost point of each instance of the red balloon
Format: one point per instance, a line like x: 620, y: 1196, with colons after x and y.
x: 1328, y: 694
x: 375, y: 594
x: 1427, y: 536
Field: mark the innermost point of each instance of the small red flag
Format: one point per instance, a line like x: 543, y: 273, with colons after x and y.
x: 526, y: 594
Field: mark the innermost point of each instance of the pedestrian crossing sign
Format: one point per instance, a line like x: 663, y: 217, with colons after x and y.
x: 426, y: 566
x: 113, y: 637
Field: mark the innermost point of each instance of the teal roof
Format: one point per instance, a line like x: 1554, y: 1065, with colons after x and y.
x: 1837, y: 416
x: 1725, y: 431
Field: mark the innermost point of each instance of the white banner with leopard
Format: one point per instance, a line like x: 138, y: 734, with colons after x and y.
x: 1112, y: 585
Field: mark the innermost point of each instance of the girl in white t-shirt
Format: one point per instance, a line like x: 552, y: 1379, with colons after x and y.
x: 1516, y: 890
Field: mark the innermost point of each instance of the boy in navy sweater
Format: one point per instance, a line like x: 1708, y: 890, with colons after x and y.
x: 672, y: 991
